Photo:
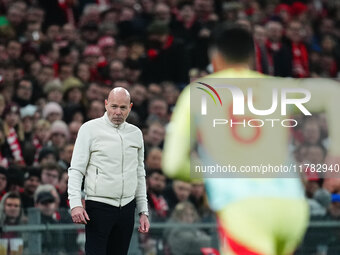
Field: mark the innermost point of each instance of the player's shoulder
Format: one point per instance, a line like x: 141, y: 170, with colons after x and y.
x: 320, y: 82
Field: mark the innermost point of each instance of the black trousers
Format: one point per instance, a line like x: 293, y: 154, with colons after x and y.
x: 110, y: 228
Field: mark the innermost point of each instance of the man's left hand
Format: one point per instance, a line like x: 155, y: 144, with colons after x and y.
x: 144, y: 224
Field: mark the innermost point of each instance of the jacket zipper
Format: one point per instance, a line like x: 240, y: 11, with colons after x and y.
x: 95, y: 187
x: 121, y: 197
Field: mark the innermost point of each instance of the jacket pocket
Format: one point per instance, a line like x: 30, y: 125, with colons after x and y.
x: 90, y: 180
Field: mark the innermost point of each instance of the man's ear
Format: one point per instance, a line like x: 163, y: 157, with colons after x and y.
x: 131, y: 104
x: 217, y: 61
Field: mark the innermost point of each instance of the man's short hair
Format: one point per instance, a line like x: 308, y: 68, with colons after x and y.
x: 234, y: 42
x: 49, y: 166
x: 13, y: 194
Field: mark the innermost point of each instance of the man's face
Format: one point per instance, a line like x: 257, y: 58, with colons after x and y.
x: 65, y: 72
x: 14, y: 50
x: 47, y: 209
x: 159, y: 108
x: 96, y: 110
x: 274, y: 31
x: 116, y: 70
x: 259, y: 34
x: 311, y: 132
x: 24, y: 90
x: 12, y: 119
x: 155, y: 135
x: 63, y: 183
x: 3, y: 182
x: 45, y: 75
x: 295, y: 31
x: 66, y: 155
x: 50, y: 177
x: 12, y: 207
x: 53, y: 116
x: 15, y: 16
x: 74, y: 128
x: 94, y: 93
x: 58, y: 139
x: 68, y: 32
x: 156, y: 183
x: 182, y: 190
x: 118, y: 107
x: 31, y: 184
x: 138, y: 94
x: 154, y: 159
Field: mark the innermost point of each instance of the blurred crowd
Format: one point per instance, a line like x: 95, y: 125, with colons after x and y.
x: 60, y: 58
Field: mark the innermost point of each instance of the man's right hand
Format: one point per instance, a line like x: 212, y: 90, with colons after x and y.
x: 79, y: 215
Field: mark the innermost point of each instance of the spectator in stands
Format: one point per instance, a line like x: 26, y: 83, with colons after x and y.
x: 184, y: 239
x: 311, y: 131
x: 52, y: 112
x: 96, y: 110
x: 93, y: 92
x: 14, y: 134
x: 47, y: 202
x: 27, y: 114
x: 3, y: 181
x: 107, y: 45
x: 154, y: 136
x: 40, y: 137
x: 171, y: 93
x: 47, y: 154
x: 23, y: 93
x: 163, y: 53
x: 82, y: 72
x: 53, y: 91
x: 280, y: 61
x: 261, y: 54
x: 31, y: 183
x: 65, y: 156
x: 200, y: 201
x: 11, y: 213
x: 73, y: 128
x: 154, y: 158
x: 186, y: 27
x: 158, y: 110
x: 14, y: 49
x: 178, y: 192
x: 138, y: 94
x: 50, y: 174
x: 116, y: 70
x: 158, y: 207
x: 59, y: 134
x: 62, y: 190
x: 298, y: 49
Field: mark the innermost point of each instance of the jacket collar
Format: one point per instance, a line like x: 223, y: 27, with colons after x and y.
x: 107, y: 120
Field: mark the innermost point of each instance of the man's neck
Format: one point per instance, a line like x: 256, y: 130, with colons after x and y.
x: 227, y: 66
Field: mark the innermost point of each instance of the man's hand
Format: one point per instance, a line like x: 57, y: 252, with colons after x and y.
x: 144, y: 224
x: 79, y: 215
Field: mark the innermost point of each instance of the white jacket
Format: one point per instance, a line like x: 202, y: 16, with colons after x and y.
x: 111, y: 157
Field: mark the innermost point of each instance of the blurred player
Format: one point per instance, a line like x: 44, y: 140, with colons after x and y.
x: 255, y: 215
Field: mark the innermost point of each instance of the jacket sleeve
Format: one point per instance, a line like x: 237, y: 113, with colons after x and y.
x: 79, y: 162
x: 141, y: 200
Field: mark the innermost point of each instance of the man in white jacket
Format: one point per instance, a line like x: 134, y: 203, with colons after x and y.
x: 109, y: 152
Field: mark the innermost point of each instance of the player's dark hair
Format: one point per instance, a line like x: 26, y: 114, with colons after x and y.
x: 233, y: 42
